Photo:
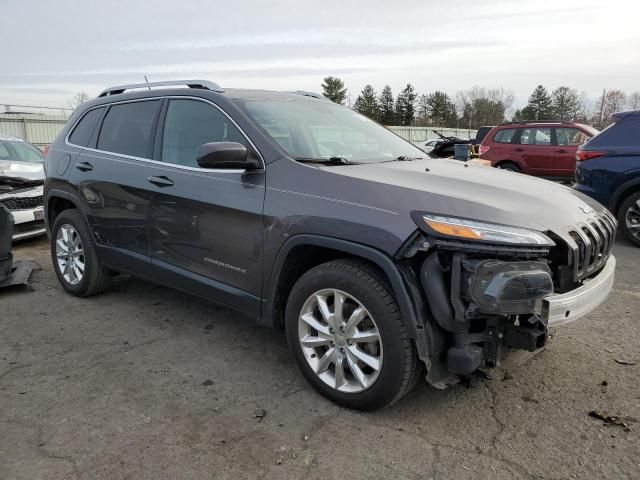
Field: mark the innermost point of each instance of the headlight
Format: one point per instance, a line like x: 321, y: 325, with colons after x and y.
x: 487, y: 232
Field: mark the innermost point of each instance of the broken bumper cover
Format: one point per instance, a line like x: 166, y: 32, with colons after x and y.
x: 566, y: 307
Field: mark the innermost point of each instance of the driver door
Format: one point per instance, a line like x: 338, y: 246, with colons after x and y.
x: 205, y: 225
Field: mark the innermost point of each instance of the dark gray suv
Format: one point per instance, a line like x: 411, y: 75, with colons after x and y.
x: 380, y: 263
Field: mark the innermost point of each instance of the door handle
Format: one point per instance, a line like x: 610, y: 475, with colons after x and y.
x: 518, y: 149
x: 160, y: 181
x: 84, y: 166
x: 561, y: 151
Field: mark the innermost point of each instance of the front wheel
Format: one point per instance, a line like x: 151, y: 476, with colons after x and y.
x: 629, y: 218
x: 347, y: 335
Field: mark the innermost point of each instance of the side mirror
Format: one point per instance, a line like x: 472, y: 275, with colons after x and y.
x: 225, y: 155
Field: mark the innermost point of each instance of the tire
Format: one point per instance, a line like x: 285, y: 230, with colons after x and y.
x: 362, y: 287
x: 512, y: 167
x: 629, y: 217
x: 94, y: 277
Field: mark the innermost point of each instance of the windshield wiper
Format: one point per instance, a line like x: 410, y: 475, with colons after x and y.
x: 326, y: 161
x: 404, y: 158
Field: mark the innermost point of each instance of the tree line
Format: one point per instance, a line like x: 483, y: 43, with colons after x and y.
x: 479, y: 106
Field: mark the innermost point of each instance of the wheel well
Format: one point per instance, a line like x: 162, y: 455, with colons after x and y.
x: 505, y: 162
x: 300, y: 260
x: 626, y: 194
x: 56, y: 206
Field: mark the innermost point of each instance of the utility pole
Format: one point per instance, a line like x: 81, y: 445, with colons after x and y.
x: 604, y: 91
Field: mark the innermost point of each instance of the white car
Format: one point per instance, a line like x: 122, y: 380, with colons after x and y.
x: 21, y: 179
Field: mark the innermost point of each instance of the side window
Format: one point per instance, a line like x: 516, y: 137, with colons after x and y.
x: 128, y: 128
x: 504, y: 136
x: 191, y: 123
x: 571, y: 137
x: 82, y: 133
x: 535, y: 136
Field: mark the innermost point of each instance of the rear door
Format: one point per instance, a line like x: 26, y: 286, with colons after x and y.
x: 206, y: 225
x: 111, y: 174
x: 534, y: 148
x: 568, y: 139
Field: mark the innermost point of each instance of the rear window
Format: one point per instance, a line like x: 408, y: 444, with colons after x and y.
x: 624, y: 133
x: 83, y: 132
x: 504, y: 136
x: 128, y: 128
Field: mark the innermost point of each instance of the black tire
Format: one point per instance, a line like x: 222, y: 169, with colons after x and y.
x: 400, y: 366
x: 96, y: 278
x: 512, y: 167
x: 631, y: 203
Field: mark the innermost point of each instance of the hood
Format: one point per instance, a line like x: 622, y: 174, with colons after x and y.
x: 15, y: 175
x: 455, y: 188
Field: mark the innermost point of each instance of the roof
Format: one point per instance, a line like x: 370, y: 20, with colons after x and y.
x: 618, y: 115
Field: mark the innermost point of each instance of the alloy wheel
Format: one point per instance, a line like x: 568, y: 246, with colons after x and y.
x: 632, y: 219
x: 340, y: 340
x: 70, y: 254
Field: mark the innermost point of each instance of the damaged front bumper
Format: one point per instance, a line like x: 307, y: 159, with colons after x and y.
x: 558, y: 309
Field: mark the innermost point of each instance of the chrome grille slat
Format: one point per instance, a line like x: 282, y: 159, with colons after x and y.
x: 593, y: 243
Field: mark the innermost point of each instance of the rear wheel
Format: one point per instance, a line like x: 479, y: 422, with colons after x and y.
x: 74, y: 256
x: 629, y: 218
x: 347, y: 335
x: 512, y: 167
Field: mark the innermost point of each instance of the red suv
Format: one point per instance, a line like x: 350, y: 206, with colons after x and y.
x: 543, y: 148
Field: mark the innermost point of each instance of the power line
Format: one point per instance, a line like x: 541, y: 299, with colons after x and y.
x: 37, y: 107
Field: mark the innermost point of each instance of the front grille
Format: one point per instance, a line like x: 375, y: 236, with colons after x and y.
x: 592, y: 244
x: 22, y: 203
x: 26, y: 227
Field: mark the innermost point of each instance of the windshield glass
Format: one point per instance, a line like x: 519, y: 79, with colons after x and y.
x: 323, y: 130
x: 19, y: 150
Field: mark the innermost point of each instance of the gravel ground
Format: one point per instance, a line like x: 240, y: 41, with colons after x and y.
x: 146, y: 382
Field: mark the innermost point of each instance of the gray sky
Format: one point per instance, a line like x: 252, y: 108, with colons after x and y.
x: 51, y: 50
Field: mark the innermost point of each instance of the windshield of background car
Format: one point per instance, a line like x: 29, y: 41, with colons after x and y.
x: 322, y: 130
x: 18, y: 150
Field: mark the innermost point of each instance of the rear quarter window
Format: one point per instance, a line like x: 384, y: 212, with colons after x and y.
x: 85, y: 128
x: 624, y: 133
x: 504, y: 136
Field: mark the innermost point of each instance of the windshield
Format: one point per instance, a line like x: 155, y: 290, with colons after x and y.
x: 323, y: 130
x: 20, y: 151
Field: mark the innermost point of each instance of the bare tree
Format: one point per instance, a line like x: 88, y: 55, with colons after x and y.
x: 634, y: 100
x: 480, y: 106
x: 77, y: 100
x: 611, y: 102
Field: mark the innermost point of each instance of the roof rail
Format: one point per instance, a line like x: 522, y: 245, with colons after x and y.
x: 319, y: 96
x: 524, y: 122
x: 202, y: 84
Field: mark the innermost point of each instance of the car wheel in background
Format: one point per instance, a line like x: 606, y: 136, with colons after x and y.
x: 629, y: 218
x: 346, y: 333
x: 74, y: 256
x: 512, y: 167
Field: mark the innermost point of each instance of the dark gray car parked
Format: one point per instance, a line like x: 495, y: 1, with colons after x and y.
x: 379, y: 262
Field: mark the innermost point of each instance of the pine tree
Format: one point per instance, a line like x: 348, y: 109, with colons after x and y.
x: 333, y: 89
x: 387, y: 112
x: 405, y: 105
x: 367, y: 103
x: 566, y: 103
x: 540, y: 105
x: 441, y: 109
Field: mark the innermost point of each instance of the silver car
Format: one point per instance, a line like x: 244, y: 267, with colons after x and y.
x: 21, y: 180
